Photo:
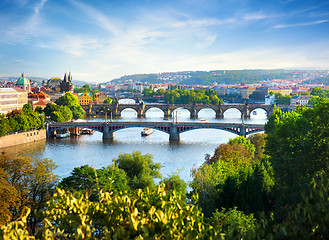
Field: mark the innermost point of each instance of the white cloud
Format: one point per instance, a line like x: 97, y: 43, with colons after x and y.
x: 300, y: 24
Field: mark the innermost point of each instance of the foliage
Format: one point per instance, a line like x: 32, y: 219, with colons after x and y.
x: 235, y: 224
x: 319, y: 92
x: 72, y: 102
x: 175, y: 183
x: 90, y: 181
x: 282, y: 99
x: 4, y: 125
x: 21, y: 120
x: 258, y: 140
x: 297, y: 143
x: 61, y: 114
x: 310, y: 219
x: 249, y: 190
x: 108, y: 101
x: 139, y: 168
x: 204, y: 96
x: 227, y: 161
x: 33, y: 181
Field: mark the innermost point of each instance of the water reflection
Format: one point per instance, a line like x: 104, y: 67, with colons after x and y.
x: 178, y: 157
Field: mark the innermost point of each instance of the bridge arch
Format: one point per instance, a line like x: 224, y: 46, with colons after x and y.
x: 253, y: 110
x: 234, y: 111
x: 183, y: 111
x: 149, y: 110
x: 128, y: 100
x: 128, y: 112
x: 201, y: 111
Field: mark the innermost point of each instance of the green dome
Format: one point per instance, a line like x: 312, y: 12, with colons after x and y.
x: 23, y: 80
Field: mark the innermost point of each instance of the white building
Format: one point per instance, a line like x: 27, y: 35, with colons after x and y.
x: 300, y: 100
x: 270, y: 99
x: 11, y: 99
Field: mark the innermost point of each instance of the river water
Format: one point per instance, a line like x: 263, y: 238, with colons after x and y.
x: 176, y: 157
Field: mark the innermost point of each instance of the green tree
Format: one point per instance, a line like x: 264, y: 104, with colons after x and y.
x: 72, y: 102
x: 4, y: 125
x: 34, y: 181
x: 297, y: 143
x: 174, y: 182
x: 86, y: 179
x: 139, y: 168
x: 108, y: 101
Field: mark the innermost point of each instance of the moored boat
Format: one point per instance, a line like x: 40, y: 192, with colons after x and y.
x: 62, y: 135
x: 146, y: 131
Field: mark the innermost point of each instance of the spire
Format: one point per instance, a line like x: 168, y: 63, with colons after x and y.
x: 23, y: 74
x: 70, y: 77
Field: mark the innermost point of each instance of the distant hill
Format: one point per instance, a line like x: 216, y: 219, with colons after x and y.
x: 209, y: 77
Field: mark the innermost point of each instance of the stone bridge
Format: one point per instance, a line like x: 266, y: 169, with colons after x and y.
x: 116, y: 109
x: 173, y: 129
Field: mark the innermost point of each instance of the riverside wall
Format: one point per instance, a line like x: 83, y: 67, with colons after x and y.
x: 21, y: 138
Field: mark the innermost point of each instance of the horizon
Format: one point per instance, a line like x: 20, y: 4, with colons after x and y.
x: 99, y: 42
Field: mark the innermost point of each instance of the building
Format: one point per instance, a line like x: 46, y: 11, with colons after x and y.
x: 66, y: 85
x: 282, y: 90
x: 37, y: 96
x: 56, y: 84
x: 300, y: 100
x: 269, y: 99
x: 84, y: 98
x: 42, y: 104
x: 11, y: 99
x: 99, y: 98
x: 23, y: 83
x: 245, y: 92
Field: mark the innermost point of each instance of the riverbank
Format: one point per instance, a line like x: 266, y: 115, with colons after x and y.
x: 21, y: 138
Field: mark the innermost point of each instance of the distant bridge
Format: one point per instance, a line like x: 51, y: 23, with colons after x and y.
x: 173, y: 129
x: 116, y: 109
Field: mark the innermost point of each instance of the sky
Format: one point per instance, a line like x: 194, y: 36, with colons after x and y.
x: 99, y: 40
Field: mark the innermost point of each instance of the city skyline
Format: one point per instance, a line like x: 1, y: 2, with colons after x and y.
x: 101, y: 40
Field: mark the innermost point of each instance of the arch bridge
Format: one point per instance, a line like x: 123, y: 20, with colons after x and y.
x: 173, y: 129
x: 116, y: 109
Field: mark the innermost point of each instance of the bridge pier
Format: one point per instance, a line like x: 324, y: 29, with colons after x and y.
x: 106, y: 133
x: 219, y: 115
x: 173, y: 133
x: 193, y: 114
x: 49, y: 133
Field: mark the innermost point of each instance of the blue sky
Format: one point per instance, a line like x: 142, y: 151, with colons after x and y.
x: 98, y: 40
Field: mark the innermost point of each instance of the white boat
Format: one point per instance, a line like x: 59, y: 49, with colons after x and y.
x: 146, y: 131
x: 204, y: 121
x: 63, y: 135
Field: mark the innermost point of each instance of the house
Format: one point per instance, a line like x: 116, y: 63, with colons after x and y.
x: 11, y: 98
x: 99, y: 98
x: 269, y: 99
x: 84, y: 98
x: 300, y: 100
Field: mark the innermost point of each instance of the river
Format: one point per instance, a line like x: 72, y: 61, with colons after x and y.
x: 177, y: 158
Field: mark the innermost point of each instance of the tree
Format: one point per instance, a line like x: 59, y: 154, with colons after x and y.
x: 72, y: 102
x: 174, y: 183
x: 33, y: 180
x: 258, y: 140
x: 50, y: 108
x: 4, y: 125
x: 86, y: 179
x: 107, y: 101
x: 139, y: 168
x: 297, y: 143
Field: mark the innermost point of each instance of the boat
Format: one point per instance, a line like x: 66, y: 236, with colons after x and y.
x: 87, y: 131
x: 204, y: 121
x: 62, y: 135
x: 146, y: 131
x: 254, y: 112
